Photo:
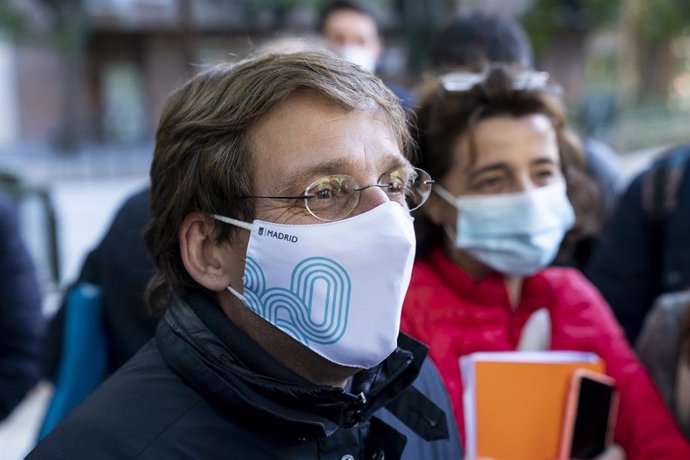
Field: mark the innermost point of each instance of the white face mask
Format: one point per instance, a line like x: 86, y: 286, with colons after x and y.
x: 358, y: 55
x: 513, y: 233
x: 337, y: 287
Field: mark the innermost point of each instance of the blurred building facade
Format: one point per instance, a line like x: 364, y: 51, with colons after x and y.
x: 103, y: 68
x: 109, y: 82
x: 109, y: 65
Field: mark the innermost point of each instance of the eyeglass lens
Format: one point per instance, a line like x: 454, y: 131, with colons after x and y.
x: 331, y: 197
x: 334, y: 197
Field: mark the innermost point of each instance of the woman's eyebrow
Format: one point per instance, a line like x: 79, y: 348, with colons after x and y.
x: 543, y: 161
x: 489, y: 168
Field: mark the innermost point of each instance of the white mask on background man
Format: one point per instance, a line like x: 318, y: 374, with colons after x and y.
x: 336, y: 287
x: 513, y: 233
x: 359, y: 55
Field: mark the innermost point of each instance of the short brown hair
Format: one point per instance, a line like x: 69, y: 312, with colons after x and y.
x: 202, y: 160
x: 342, y: 5
x: 443, y: 116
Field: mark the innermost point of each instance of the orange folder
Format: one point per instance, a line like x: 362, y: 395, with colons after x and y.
x: 515, y: 402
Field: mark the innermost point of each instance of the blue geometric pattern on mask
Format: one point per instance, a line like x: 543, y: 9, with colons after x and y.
x: 291, y: 309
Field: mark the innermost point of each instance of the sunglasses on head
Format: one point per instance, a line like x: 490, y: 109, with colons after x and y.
x: 526, y: 80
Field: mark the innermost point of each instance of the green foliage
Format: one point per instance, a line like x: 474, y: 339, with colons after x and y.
x: 547, y: 18
x: 62, y: 27
x: 663, y: 19
x: 12, y: 22
x: 287, y: 4
x: 659, y: 19
x: 284, y: 4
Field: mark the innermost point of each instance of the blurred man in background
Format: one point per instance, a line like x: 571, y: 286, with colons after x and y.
x: 349, y: 29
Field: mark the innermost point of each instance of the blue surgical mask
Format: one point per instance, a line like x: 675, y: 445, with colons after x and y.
x: 513, y: 233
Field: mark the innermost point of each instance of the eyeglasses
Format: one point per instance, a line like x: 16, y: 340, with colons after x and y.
x: 335, y: 197
x: 526, y: 80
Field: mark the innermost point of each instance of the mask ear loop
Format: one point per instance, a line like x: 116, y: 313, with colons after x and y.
x: 450, y: 235
x: 451, y: 200
x: 241, y: 224
x: 235, y: 222
x: 234, y: 292
x: 446, y: 195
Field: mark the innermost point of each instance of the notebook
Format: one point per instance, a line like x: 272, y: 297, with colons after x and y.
x: 515, y: 402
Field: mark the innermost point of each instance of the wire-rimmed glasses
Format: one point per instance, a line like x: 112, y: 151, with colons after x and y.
x: 334, y: 197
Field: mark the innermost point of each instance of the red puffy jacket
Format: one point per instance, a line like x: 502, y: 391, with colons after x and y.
x: 456, y: 315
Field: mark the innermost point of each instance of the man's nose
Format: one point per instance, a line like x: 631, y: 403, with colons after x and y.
x: 369, y: 198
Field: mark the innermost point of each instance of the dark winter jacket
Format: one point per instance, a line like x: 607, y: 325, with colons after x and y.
x: 644, y: 253
x: 21, y: 321
x: 202, y: 389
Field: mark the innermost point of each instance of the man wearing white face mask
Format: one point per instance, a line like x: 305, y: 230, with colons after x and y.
x: 349, y: 29
x: 510, y: 186
x: 283, y: 245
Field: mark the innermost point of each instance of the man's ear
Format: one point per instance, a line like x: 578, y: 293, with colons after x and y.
x: 203, y: 257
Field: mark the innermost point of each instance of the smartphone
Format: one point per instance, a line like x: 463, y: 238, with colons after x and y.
x: 590, y: 415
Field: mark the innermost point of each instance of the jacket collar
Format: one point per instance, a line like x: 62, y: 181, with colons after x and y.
x: 224, y: 365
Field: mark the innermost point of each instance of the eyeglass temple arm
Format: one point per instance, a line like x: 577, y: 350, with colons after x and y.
x: 299, y: 197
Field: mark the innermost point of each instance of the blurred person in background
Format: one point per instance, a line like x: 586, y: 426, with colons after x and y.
x: 120, y: 266
x: 664, y: 348
x: 509, y: 185
x: 349, y: 29
x: 21, y: 317
x: 479, y: 38
x: 645, y: 250
x: 220, y: 374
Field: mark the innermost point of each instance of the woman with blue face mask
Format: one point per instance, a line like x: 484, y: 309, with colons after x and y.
x: 510, y: 194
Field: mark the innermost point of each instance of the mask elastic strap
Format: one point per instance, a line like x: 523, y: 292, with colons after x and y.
x: 445, y: 194
x: 450, y: 235
x: 235, y: 293
x: 450, y: 199
x: 235, y: 222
